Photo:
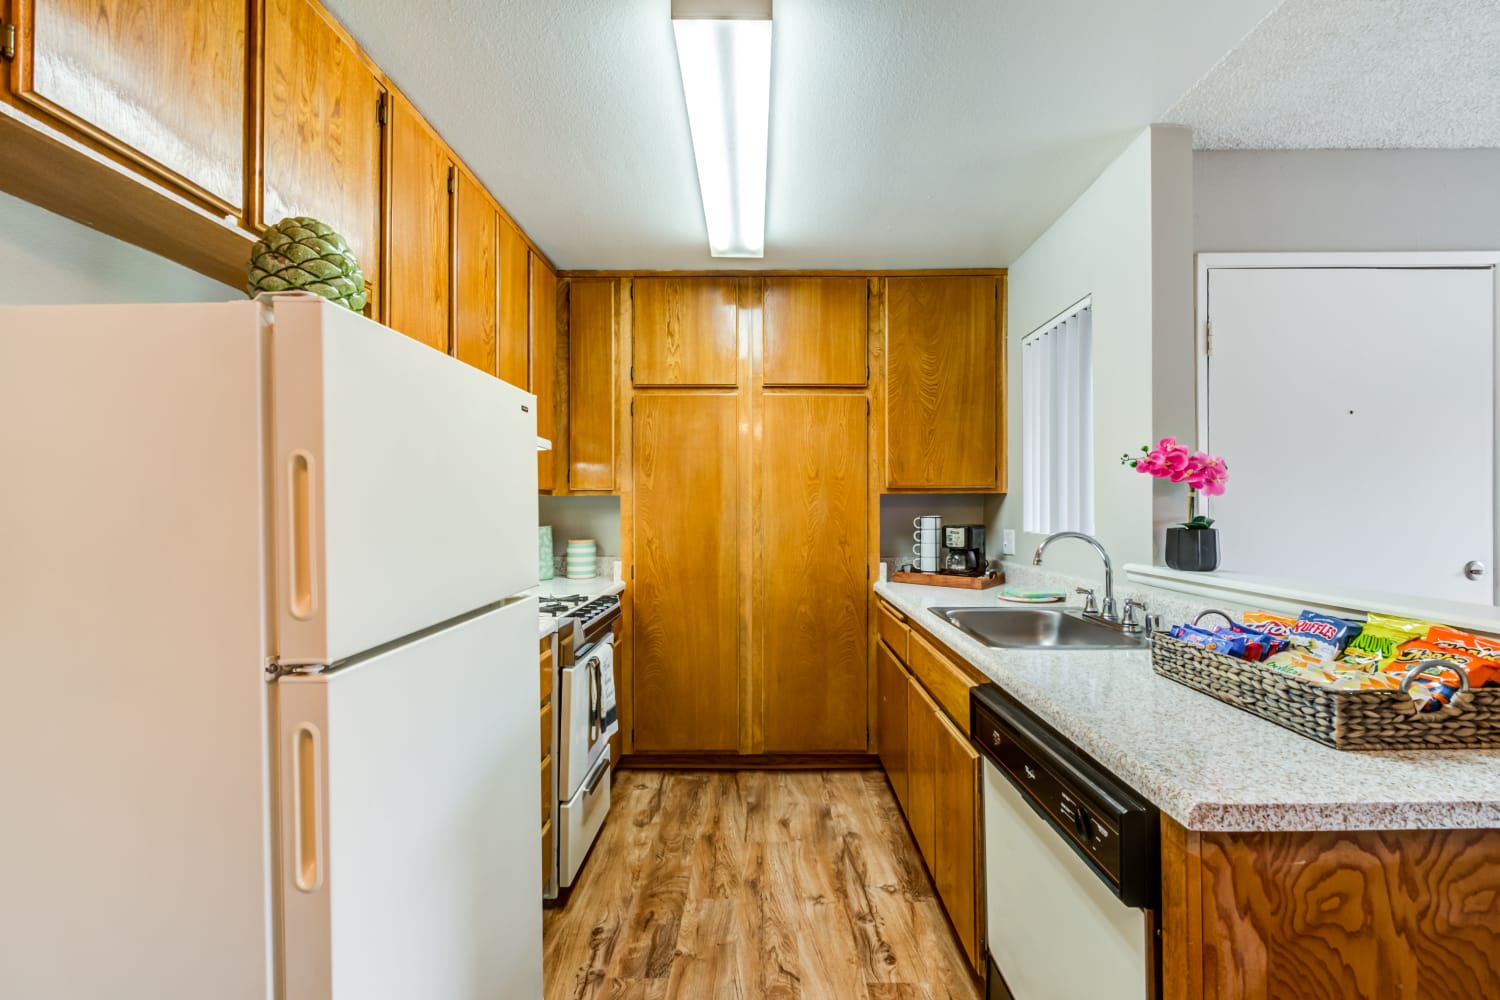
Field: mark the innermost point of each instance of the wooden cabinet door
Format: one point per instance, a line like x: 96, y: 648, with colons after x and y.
x: 543, y: 322
x: 685, y: 663
x: 476, y: 277
x: 418, y: 226
x: 955, y: 866
x: 685, y: 331
x: 921, y: 769
x: 892, y: 682
x: 815, y: 331
x: 591, y: 384
x: 159, y: 82
x: 320, y: 131
x: 942, y: 383
x: 515, y: 311
x: 814, y: 608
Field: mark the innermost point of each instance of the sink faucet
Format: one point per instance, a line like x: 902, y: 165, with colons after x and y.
x: 1107, y: 612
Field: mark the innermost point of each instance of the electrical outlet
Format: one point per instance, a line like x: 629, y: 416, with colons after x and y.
x: 1008, y: 542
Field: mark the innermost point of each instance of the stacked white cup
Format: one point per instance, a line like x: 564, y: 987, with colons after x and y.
x: 927, y: 547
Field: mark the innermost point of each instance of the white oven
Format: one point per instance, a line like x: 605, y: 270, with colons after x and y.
x: 586, y: 718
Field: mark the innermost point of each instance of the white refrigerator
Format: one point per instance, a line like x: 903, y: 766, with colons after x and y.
x: 268, y: 720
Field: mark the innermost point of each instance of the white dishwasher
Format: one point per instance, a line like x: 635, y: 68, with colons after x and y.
x: 1072, y: 866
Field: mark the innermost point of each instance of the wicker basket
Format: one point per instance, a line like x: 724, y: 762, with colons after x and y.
x: 1347, y: 720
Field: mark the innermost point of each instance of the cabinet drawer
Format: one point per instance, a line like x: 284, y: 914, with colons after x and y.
x: 548, y: 799
x: 948, y: 684
x: 547, y: 669
x: 546, y: 729
x: 892, y: 626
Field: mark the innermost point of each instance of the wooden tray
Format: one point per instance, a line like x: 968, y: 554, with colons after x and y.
x: 950, y: 580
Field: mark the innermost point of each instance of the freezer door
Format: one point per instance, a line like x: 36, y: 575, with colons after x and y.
x: 409, y: 814
x: 405, y: 484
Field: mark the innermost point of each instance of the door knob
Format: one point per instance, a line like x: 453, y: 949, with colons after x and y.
x: 1473, y: 569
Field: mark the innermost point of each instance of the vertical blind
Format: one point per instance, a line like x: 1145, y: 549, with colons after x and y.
x: 1057, y: 397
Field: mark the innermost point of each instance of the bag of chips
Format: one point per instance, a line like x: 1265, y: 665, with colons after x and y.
x: 1279, y: 626
x: 1380, y: 639
x: 1322, y: 635
x: 1479, y: 669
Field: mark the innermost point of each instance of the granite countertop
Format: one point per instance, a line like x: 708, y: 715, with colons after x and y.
x: 1207, y: 765
x: 596, y: 586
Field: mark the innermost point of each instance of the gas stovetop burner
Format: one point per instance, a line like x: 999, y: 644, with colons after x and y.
x: 552, y: 608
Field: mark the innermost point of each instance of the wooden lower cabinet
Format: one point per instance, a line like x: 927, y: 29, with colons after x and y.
x: 922, y: 733
x: 935, y: 771
x: 955, y: 865
x: 686, y: 593
x: 815, y: 603
x: 893, y: 683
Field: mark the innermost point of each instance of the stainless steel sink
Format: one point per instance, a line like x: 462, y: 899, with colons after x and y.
x: 1038, y: 628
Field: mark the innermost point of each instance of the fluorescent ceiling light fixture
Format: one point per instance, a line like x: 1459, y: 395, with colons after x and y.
x: 724, y: 51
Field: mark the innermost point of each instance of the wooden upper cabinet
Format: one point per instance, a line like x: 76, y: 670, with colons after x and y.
x: 942, y: 383
x: 419, y: 259
x: 591, y: 382
x: 544, y: 364
x: 816, y: 331
x: 158, y: 82
x: 320, y: 130
x: 685, y: 331
x: 515, y: 313
x: 814, y: 464
x: 476, y: 286
x: 686, y: 675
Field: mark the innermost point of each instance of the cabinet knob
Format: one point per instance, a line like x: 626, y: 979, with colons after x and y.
x: 1473, y: 569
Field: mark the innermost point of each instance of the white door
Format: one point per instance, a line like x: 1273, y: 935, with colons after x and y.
x: 410, y: 810
x: 405, y: 484
x: 1356, y: 410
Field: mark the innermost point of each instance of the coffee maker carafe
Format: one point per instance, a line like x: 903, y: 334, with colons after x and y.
x: 965, y: 545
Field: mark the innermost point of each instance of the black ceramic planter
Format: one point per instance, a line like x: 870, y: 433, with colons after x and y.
x: 1193, y: 549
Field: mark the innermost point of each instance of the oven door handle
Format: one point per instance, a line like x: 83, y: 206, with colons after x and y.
x: 600, y: 770
x: 596, y: 697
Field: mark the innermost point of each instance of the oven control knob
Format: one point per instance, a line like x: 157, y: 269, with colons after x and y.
x: 1082, y: 825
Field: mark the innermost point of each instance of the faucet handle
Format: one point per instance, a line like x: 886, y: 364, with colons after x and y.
x: 1090, y: 605
x: 1128, y: 614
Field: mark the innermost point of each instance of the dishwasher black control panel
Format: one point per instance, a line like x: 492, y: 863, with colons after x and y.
x: 1111, y: 827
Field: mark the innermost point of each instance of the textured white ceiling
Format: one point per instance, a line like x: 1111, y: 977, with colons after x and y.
x: 1356, y: 74
x: 904, y: 133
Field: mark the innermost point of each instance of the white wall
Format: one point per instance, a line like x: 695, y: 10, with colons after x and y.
x: 1127, y: 242
x: 1359, y: 199
x: 582, y: 517
x: 47, y: 259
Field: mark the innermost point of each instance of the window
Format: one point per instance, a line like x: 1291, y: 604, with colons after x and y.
x: 1057, y: 396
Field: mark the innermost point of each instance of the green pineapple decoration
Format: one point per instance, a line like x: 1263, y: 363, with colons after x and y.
x: 307, y: 255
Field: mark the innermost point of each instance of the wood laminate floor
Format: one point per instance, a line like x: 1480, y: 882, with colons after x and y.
x: 754, y: 885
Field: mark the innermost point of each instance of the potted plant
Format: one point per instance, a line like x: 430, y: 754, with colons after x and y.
x: 1194, y: 545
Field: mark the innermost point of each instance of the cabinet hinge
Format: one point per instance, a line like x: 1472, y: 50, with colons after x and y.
x: 632, y: 407
x: 452, y: 180
x: 8, y: 48
x: 867, y: 406
x: 381, y: 114
x: 1208, y: 336
x: 632, y: 374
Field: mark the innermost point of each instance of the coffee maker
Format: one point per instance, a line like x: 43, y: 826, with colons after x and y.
x: 965, y: 545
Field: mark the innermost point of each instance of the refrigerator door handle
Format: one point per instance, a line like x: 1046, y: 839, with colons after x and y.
x: 302, y: 564
x: 307, y: 808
